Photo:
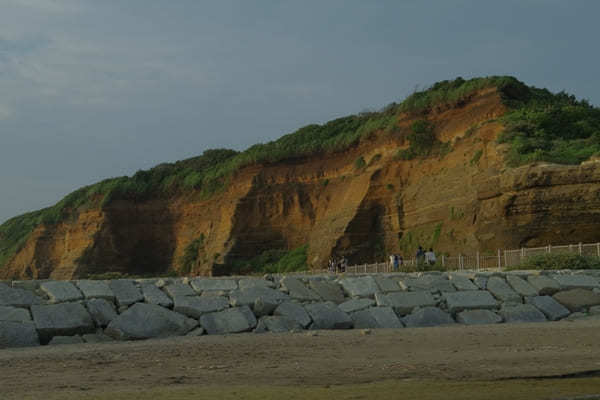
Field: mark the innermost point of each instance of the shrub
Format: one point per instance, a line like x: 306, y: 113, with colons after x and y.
x: 360, y: 163
x: 476, y: 157
x: 558, y: 261
x: 273, y: 261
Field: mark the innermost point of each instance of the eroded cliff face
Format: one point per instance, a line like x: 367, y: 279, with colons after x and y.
x: 464, y: 201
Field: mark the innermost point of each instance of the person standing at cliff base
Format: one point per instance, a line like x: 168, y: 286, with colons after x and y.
x: 420, y: 256
x: 430, y: 257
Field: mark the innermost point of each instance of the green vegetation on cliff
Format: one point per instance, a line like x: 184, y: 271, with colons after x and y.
x: 273, y: 261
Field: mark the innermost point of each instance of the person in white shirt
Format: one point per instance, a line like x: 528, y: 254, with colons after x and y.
x: 430, y: 256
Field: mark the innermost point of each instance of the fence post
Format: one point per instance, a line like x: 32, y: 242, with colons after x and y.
x: 478, y: 261
x: 580, y: 248
x: 505, y: 259
x: 444, y: 259
x: 549, y: 249
x: 460, y: 262
x: 522, y: 253
x: 499, y: 260
x: 365, y: 268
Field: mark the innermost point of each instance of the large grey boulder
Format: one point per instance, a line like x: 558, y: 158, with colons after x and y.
x: 202, y: 284
x: 247, y: 297
x: 179, y: 289
x: 428, y: 316
x: 569, y: 281
x: 364, y: 286
x: 353, y: 305
x: 297, y: 290
x: 263, y: 306
x: 232, y: 320
x: 145, y: 321
x: 481, y: 282
x: 478, y: 317
x: 95, y: 290
x: 552, y: 309
x: 277, y: 324
x: 196, y: 306
x: 253, y: 282
x: 101, y: 310
x: 404, y: 302
x: 14, y: 314
x: 461, y: 282
x: 61, y: 291
x: 543, y: 284
x: 376, y: 317
x: 521, y: 286
x: 469, y: 300
x: 18, y: 334
x: 577, y: 299
x: 329, y: 291
x: 126, y: 292
x: 64, y: 319
x: 522, y: 313
x: 293, y: 311
x: 328, y: 316
x: 153, y: 295
x: 431, y: 283
x: 387, y: 285
x: 18, y: 297
x: 502, y: 291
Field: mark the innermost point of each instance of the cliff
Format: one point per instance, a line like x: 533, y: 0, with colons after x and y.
x: 375, y: 194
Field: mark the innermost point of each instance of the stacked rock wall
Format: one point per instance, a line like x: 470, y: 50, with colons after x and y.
x: 58, y: 312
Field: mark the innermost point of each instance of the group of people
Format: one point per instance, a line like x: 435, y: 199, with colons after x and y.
x: 337, y: 264
x: 423, y: 257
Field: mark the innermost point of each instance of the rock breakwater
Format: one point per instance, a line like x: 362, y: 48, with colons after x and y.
x: 36, y: 313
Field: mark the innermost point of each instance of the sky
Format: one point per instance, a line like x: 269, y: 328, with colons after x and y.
x: 94, y: 89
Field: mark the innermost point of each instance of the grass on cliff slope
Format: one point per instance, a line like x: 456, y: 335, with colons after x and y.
x: 557, y: 262
x: 273, y: 261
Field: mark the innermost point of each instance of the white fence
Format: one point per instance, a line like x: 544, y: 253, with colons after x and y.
x: 502, y: 259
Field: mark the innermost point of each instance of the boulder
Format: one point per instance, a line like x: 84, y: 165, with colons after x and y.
x: 328, y: 316
x: 277, y: 324
x: 364, y: 286
x: 521, y: 286
x: 543, y: 284
x: 126, y: 292
x: 18, y: 334
x: 264, y: 307
x: 196, y: 306
x: 577, y: 299
x: 102, y: 311
x: 14, y: 314
x: 293, y: 311
x: 568, y: 281
x: 95, y: 290
x: 297, y: 290
x: 387, y: 285
x: 431, y: 283
x: 478, y: 317
x: 61, y: 291
x: 502, y: 291
x: 145, y: 321
x: 552, y: 309
x: 522, y: 313
x: 18, y: 297
x: 179, y: 289
x: 232, y: 320
x: 248, y: 283
x: 461, y: 282
x: 428, y: 316
x: 202, y: 284
x: 481, y: 282
x: 153, y: 295
x: 404, y: 302
x: 353, y: 305
x: 66, y: 340
x: 376, y: 317
x: 469, y: 300
x: 197, y: 332
x: 328, y: 291
x: 64, y: 319
x: 247, y: 297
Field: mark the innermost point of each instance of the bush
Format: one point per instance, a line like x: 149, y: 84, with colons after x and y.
x: 360, y: 163
x: 273, y: 261
x: 558, y: 261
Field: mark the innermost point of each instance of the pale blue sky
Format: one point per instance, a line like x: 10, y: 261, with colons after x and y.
x: 92, y: 89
